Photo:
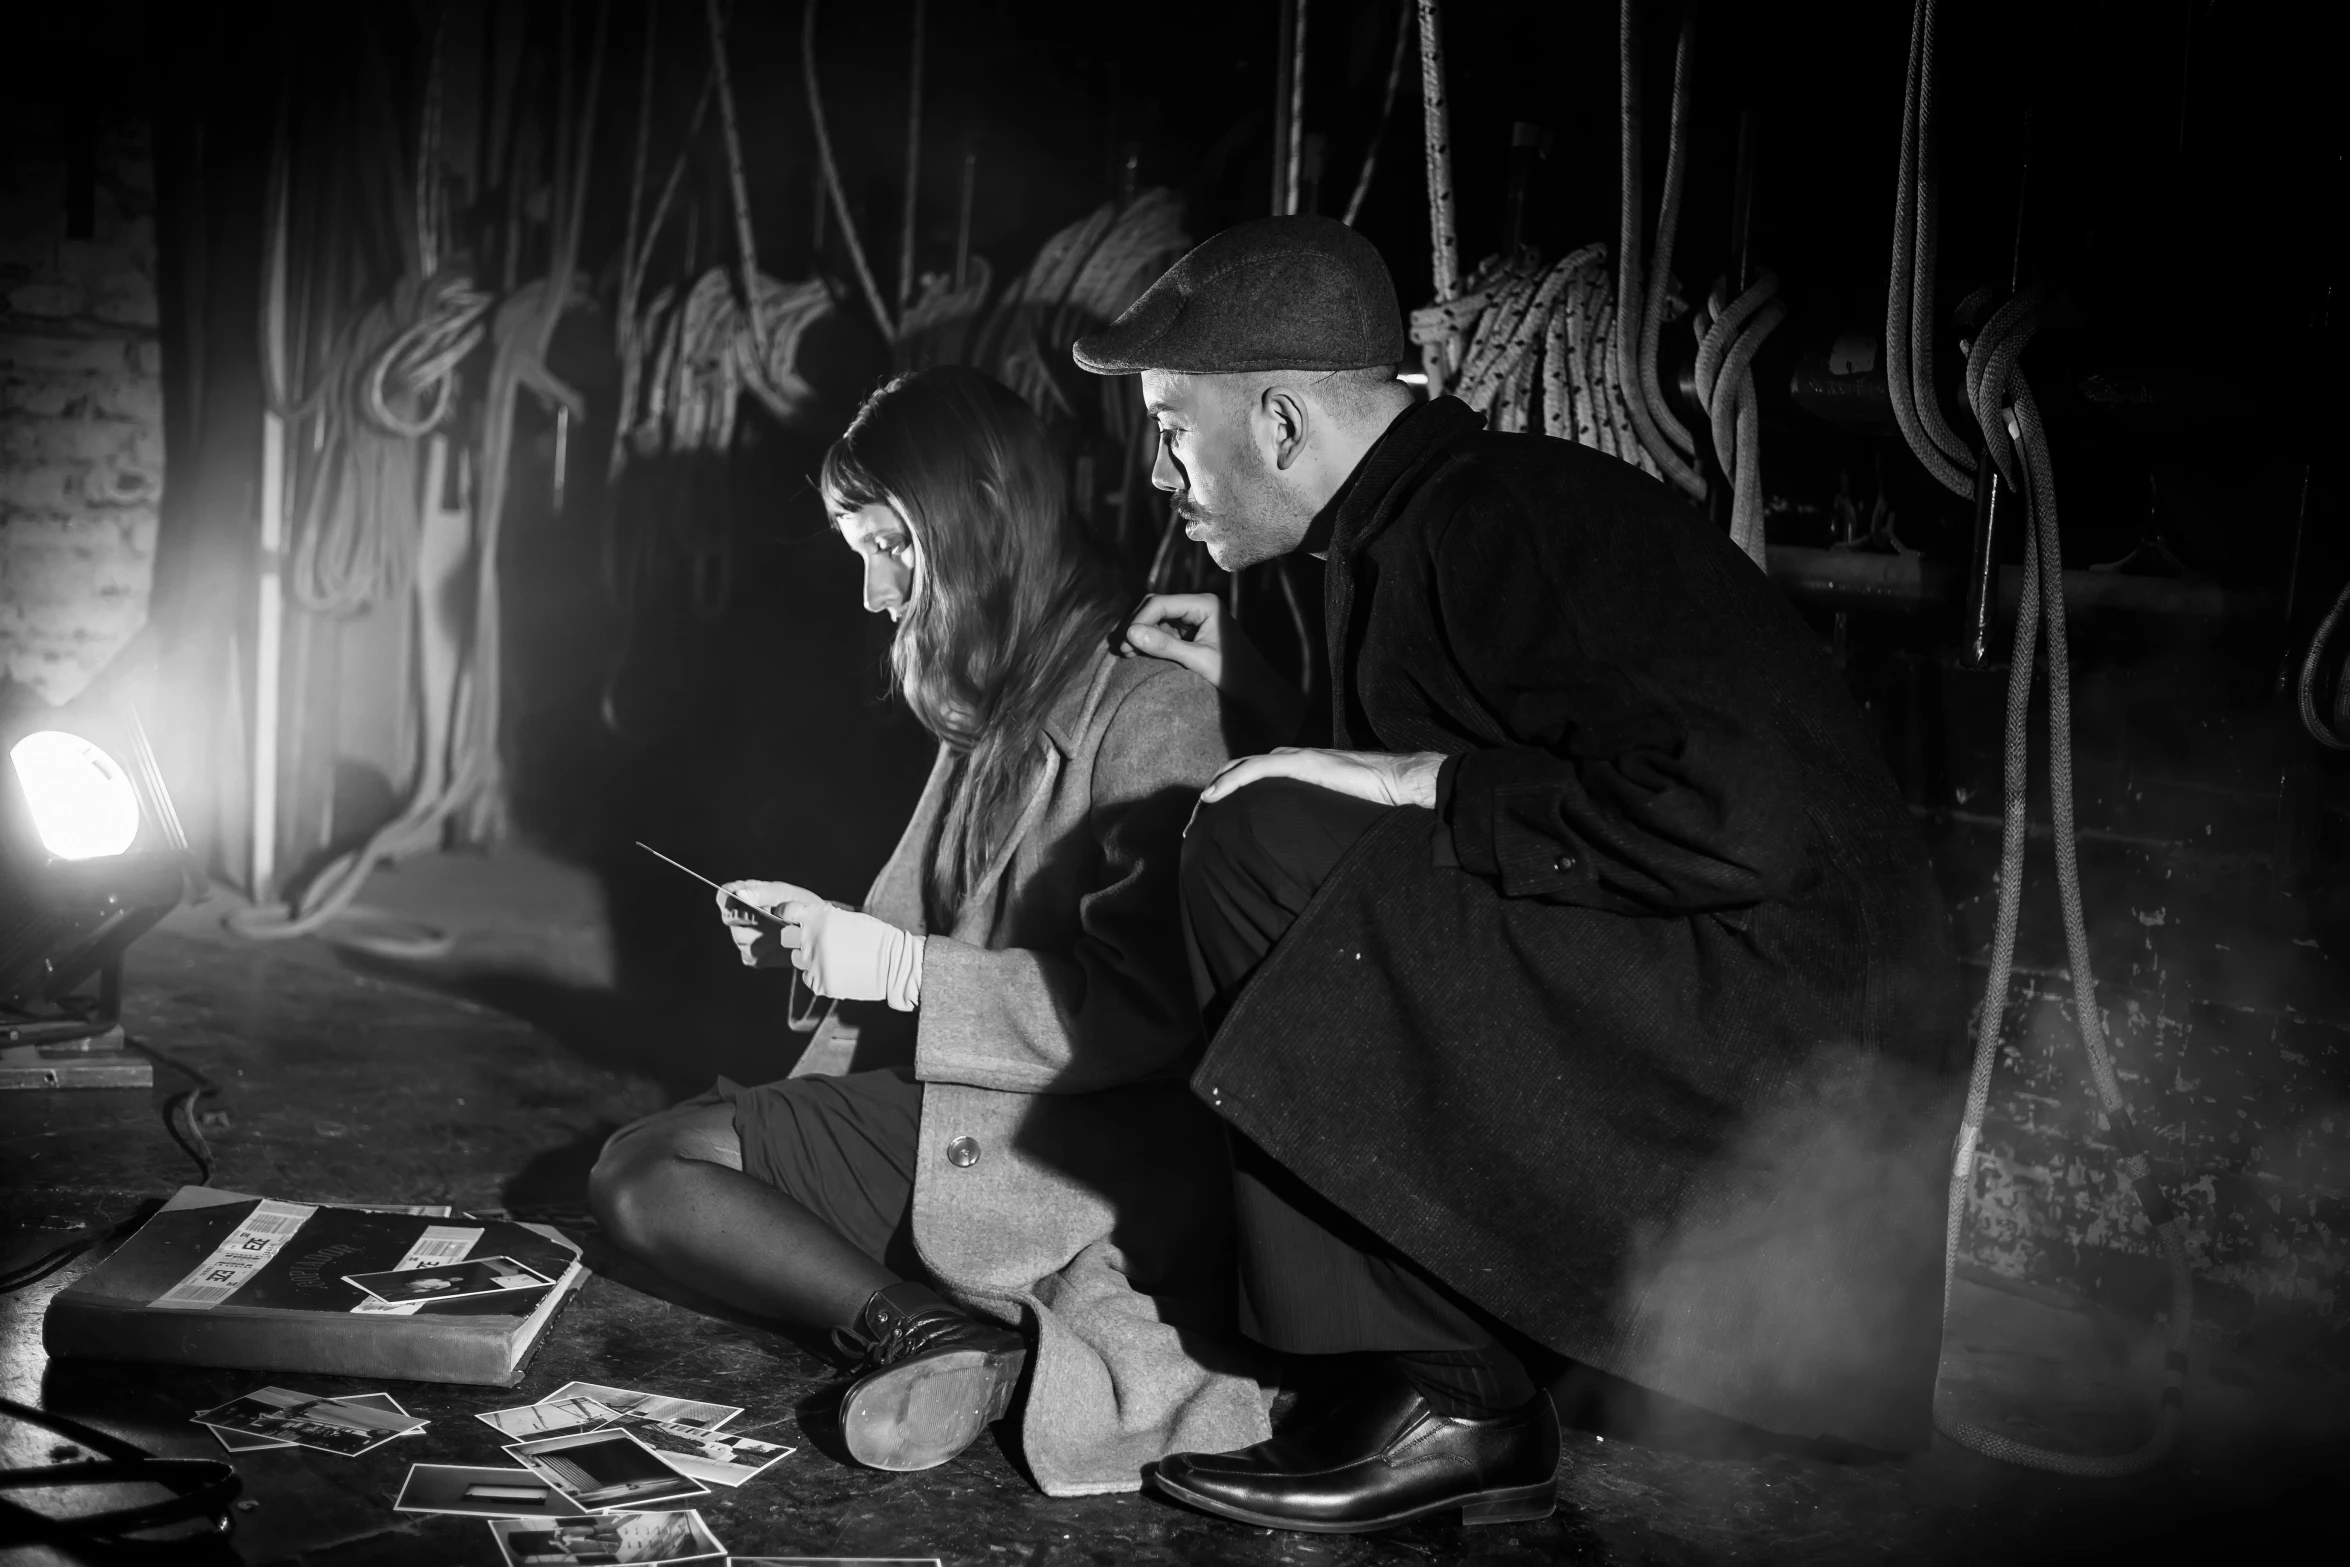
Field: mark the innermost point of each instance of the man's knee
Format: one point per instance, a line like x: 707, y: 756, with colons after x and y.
x: 1273, y: 833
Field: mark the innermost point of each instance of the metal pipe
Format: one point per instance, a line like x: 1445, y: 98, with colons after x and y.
x: 1742, y: 205
x: 1990, y: 489
x: 963, y: 218
x: 1852, y: 579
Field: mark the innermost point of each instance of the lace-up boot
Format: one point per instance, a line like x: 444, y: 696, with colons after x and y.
x: 934, y: 1378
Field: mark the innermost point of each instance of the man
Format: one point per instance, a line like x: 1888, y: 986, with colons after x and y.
x: 1583, y: 988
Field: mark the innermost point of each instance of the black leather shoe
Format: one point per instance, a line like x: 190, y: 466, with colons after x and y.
x: 1382, y: 1458
x: 939, y: 1377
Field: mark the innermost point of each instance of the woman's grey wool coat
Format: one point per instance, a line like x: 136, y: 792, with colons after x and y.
x: 1067, y: 1177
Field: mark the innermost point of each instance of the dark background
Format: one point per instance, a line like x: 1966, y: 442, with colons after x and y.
x: 2182, y: 201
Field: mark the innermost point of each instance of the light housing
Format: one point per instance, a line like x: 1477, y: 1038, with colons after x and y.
x: 81, y: 801
x: 91, y: 858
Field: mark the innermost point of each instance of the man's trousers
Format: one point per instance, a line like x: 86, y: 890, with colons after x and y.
x: 1312, y: 1279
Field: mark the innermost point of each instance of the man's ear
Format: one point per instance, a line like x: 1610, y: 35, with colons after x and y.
x: 1285, y: 414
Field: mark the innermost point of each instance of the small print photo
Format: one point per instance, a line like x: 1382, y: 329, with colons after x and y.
x: 712, y: 1457
x: 550, y: 1418
x: 308, y: 1420
x: 640, y: 1539
x: 456, y: 1281
x: 482, y: 1493
x: 649, y: 1406
x: 603, y: 1469
x: 236, y: 1442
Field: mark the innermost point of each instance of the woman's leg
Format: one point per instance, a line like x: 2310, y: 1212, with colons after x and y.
x: 671, y: 1191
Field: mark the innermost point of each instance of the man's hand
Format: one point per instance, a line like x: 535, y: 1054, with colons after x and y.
x: 1190, y: 629
x: 1381, y: 777
x: 762, y: 943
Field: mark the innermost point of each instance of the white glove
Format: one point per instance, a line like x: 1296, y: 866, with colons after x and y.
x: 762, y: 942
x: 851, y: 956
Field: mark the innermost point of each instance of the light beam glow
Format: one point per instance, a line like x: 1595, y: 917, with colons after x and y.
x: 82, y: 801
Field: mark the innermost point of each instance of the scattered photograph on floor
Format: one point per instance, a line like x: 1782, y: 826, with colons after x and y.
x: 482, y: 1492
x: 649, y: 1406
x: 606, y: 1469
x: 239, y: 1442
x: 637, y: 1539
x: 550, y: 1417
x: 713, y: 1457
x: 309, y: 1420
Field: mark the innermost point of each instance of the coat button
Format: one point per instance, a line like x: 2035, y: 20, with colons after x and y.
x: 962, y: 1153
x: 1563, y: 864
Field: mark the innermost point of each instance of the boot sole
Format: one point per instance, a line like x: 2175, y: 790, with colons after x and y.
x: 921, y: 1414
x: 1505, y: 1504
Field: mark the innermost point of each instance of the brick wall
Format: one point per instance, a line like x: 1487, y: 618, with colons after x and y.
x: 81, y: 417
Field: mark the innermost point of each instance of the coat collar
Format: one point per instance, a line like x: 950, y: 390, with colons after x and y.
x: 1362, y: 505
x: 1073, y: 709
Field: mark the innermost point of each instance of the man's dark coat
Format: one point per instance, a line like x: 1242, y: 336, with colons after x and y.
x: 1644, y: 1043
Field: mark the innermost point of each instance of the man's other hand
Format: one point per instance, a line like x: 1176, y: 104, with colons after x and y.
x: 1191, y: 629
x: 1381, y: 777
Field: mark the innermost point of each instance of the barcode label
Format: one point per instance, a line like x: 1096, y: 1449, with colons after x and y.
x: 260, y: 1237
x: 437, y: 1247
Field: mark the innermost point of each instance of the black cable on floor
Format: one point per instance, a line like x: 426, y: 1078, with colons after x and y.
x: 182, y: 1108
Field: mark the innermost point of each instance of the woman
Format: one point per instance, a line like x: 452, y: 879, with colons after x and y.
x: 1026, y: 1154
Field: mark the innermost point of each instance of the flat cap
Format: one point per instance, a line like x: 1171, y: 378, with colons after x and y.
x: 1291, y: 293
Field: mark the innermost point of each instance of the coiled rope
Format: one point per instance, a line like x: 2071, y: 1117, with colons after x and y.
x: 1081, y: 278
x: 1543, y: 350
x: 1909, y: 295
x: 1730, y: 333
x: 460, y: 776
x: 2017, y: 443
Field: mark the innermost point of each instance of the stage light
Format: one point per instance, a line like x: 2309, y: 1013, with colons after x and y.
x: 82, y: 803
x: 91, y: 857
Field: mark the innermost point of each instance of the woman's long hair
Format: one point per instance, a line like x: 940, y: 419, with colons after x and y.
x: 1011, y: 602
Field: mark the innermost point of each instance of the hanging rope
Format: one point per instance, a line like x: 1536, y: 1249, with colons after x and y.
x: 461, y: 778
x: 630, y: 333
x: 2017, y: 443
x: 840, y: 200
x: 1082, y: 278
x: 1730, y: 333
x: 723, y: 335
x: 1909, y: 296
x: 1640, y: 299
x: 1438, y: 356
x: 1403, y: 40
x: 2312, y: 669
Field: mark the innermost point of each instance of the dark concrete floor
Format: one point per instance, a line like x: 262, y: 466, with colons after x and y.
x: 341, y: 1081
